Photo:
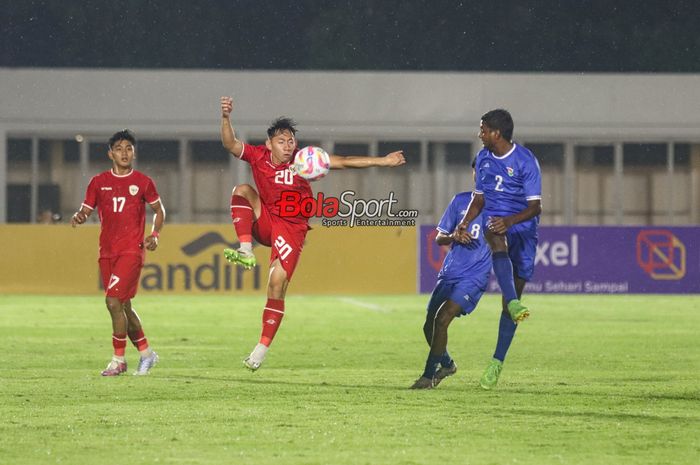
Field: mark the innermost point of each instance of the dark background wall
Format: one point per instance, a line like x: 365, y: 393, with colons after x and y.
x: 508, y: 35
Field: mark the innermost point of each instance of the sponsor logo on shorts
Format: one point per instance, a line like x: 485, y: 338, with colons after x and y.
x: 113, y: 280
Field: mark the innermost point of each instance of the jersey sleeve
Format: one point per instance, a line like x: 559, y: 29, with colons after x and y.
x: 449, y: 219
x: 252, y: 153
x: 532, y: 180
x: 150, y: 193
x: 91, y: 194
x: 478, y: 188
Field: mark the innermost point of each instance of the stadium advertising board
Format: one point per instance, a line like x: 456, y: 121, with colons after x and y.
x: 597, y: 260
x: 58, y: 259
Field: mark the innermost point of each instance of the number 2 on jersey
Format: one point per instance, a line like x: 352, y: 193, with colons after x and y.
x: 118, y: 203
x: 499, y: 183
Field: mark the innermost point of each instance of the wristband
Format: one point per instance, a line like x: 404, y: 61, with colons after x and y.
x: 155, y: 234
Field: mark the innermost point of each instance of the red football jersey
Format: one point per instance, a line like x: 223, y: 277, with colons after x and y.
x: 272, y: 180
x: 121, y: 203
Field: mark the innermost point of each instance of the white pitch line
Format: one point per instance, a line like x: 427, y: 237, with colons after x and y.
x: 362, y: 304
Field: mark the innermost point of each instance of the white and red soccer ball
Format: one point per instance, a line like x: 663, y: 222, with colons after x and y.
x: 311, y: 163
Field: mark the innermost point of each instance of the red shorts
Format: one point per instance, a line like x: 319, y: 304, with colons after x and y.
x: 120, y: 275
x: 286, y: 239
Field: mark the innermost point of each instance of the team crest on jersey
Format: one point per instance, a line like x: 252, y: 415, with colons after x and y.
x: 510, y: 171
x: 133, y: 189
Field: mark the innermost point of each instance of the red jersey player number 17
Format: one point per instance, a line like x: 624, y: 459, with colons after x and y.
x: 120, y: 195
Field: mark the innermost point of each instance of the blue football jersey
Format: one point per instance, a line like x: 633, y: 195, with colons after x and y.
x: 508, y: 182
x: 464, y: 261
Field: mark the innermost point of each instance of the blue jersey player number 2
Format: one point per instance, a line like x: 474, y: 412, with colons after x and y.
x: 508, y: 193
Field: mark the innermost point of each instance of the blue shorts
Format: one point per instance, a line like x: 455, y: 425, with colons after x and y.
x: 466, y: 293
x: 522, y: 248
x: 522, y: 244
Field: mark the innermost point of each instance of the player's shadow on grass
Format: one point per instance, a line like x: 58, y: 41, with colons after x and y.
x: 689, y: 396
x: 273, y: 382
x: 619, y: 416
x: 249, y: 378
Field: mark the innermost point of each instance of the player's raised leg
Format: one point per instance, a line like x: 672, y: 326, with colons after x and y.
x: 503, y: 269
x: 272, y: 314
x: 245, y: 208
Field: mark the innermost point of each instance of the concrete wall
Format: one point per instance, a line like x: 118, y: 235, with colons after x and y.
x: 412, y: 109
x: 335, y: 104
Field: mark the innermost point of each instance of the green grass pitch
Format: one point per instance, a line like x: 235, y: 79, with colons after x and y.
x: 589, y: 379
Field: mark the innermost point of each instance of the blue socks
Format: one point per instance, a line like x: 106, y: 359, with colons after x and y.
x: 506, y: 332
x: 446, y: 360
x: 431, y: 366
x: 503, y: 268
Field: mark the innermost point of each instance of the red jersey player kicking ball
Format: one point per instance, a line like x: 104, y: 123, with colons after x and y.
x: 256, y: 213
x: 120, y: 195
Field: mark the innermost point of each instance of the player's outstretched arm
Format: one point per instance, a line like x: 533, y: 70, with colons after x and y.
x: 228, y: 135
x: 339, y: 162
x: 151, y: 241
x: 80, y: 216
x: 475, y: 206
x: 500, y: 225
x: 444, y: 239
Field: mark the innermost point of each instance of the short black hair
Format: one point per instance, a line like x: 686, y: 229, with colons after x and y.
x: 500, y: 120
x: 280, y: 125
x: 124, y: 134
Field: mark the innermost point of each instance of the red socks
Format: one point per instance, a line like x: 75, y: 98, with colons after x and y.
x: 242, y: 216
x: 139, y: 340
x: 271, y: 319
x: 119, y: 344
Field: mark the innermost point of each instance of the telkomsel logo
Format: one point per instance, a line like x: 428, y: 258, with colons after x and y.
x: 661, y: 254
x: 346, y: 210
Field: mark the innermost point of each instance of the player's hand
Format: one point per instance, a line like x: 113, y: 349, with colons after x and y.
x: 394, y: 159
x: 498, y: 224
x: 226, y: 106
x: 78, y: 218
x: 151, y: 242
x: 461, y: 234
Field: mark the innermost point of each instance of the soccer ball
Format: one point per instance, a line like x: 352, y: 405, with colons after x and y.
x: 311, y: 163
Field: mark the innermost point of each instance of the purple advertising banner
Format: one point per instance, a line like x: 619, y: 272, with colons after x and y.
x: 597, y: 260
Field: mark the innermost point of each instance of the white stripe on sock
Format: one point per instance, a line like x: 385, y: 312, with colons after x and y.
x: 274, y: 310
